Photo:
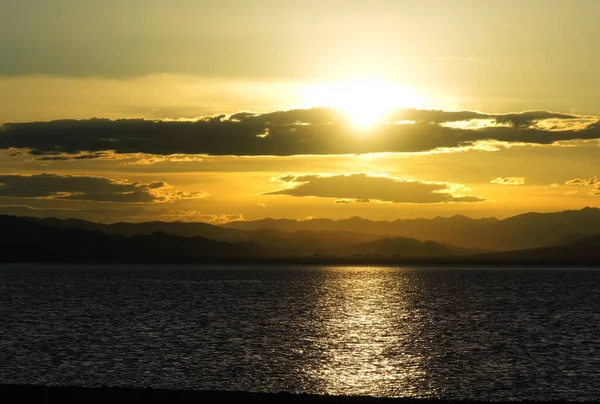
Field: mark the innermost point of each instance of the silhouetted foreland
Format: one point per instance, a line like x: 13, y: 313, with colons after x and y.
x: 56, y: 394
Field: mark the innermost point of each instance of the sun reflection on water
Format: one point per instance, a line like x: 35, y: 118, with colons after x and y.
x: 364, y: 337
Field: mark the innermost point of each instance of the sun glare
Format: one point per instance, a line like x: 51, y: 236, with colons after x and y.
x: 364, y: 100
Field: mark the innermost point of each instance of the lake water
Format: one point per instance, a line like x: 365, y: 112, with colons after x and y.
x: 491, y: 334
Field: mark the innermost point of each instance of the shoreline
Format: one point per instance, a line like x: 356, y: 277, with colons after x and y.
x: 452, y: 261
x: 60, y: 394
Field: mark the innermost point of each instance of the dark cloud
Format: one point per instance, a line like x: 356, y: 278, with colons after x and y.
x: 361, y: 187
x: 285, y: 133
x: 523, y: 120
x: 434, y: 116
x: 85, y: 156
x: 88, y: 188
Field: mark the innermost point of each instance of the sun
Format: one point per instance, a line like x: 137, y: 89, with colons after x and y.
x: 364, y: 100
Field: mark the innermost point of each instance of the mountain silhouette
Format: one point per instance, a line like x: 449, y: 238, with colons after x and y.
x: 408, y: 247
x: 22, y: 240
x: 278, y: 242
x: 296, y: 243
x: 583, y: 251
x: 529, y: 230
x: 561, y: 238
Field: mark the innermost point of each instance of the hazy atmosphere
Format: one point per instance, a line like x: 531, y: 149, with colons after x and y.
x: 300, y: 201
x: 206, y: 111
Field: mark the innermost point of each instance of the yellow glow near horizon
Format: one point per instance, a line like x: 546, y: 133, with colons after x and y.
x: 364, y: 100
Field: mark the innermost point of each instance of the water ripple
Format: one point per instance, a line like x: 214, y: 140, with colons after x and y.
x: 452, y: 333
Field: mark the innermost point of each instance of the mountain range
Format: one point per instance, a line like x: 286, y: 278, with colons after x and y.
x: 529, y: 230
x: 264, y: 242
x: 561, y: 237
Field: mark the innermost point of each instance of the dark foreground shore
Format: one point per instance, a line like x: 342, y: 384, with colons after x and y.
x: 56, y: 394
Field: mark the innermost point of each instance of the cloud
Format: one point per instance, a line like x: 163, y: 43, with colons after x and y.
x: 110, y: 215
x: 362, y: 187
x: 89, y: 188
x: 295, y: 132
x: 590, y: 182
x: 475, y: 124
x: 524, y: 120
x: 137, y: 159
x: 508, y: 181
x: 593, y: 183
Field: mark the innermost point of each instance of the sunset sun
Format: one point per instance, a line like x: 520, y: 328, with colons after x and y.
x: 364, y: 100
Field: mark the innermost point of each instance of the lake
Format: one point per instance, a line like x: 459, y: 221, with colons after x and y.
x: 476, y: 333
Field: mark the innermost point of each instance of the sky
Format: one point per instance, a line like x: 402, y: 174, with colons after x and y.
x: 239, y: 110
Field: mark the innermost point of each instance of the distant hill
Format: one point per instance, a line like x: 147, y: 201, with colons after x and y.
x: 27, y: 239
x: 325, y: 236
x: 283, y: 243
x: 22, y: 240
x: 183, y: 229
x: 295, y: 243
x: 408, y: 247
x: 571, y: 238
x: 583, y: 251
x: 530, y: 230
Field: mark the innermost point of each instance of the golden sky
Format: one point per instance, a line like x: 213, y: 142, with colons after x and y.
x: 225, y: 110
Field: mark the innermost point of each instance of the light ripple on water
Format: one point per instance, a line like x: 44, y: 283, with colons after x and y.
x: 486, y: 334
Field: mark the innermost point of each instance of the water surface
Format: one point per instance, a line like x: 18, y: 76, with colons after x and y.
x: 478, y: 333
